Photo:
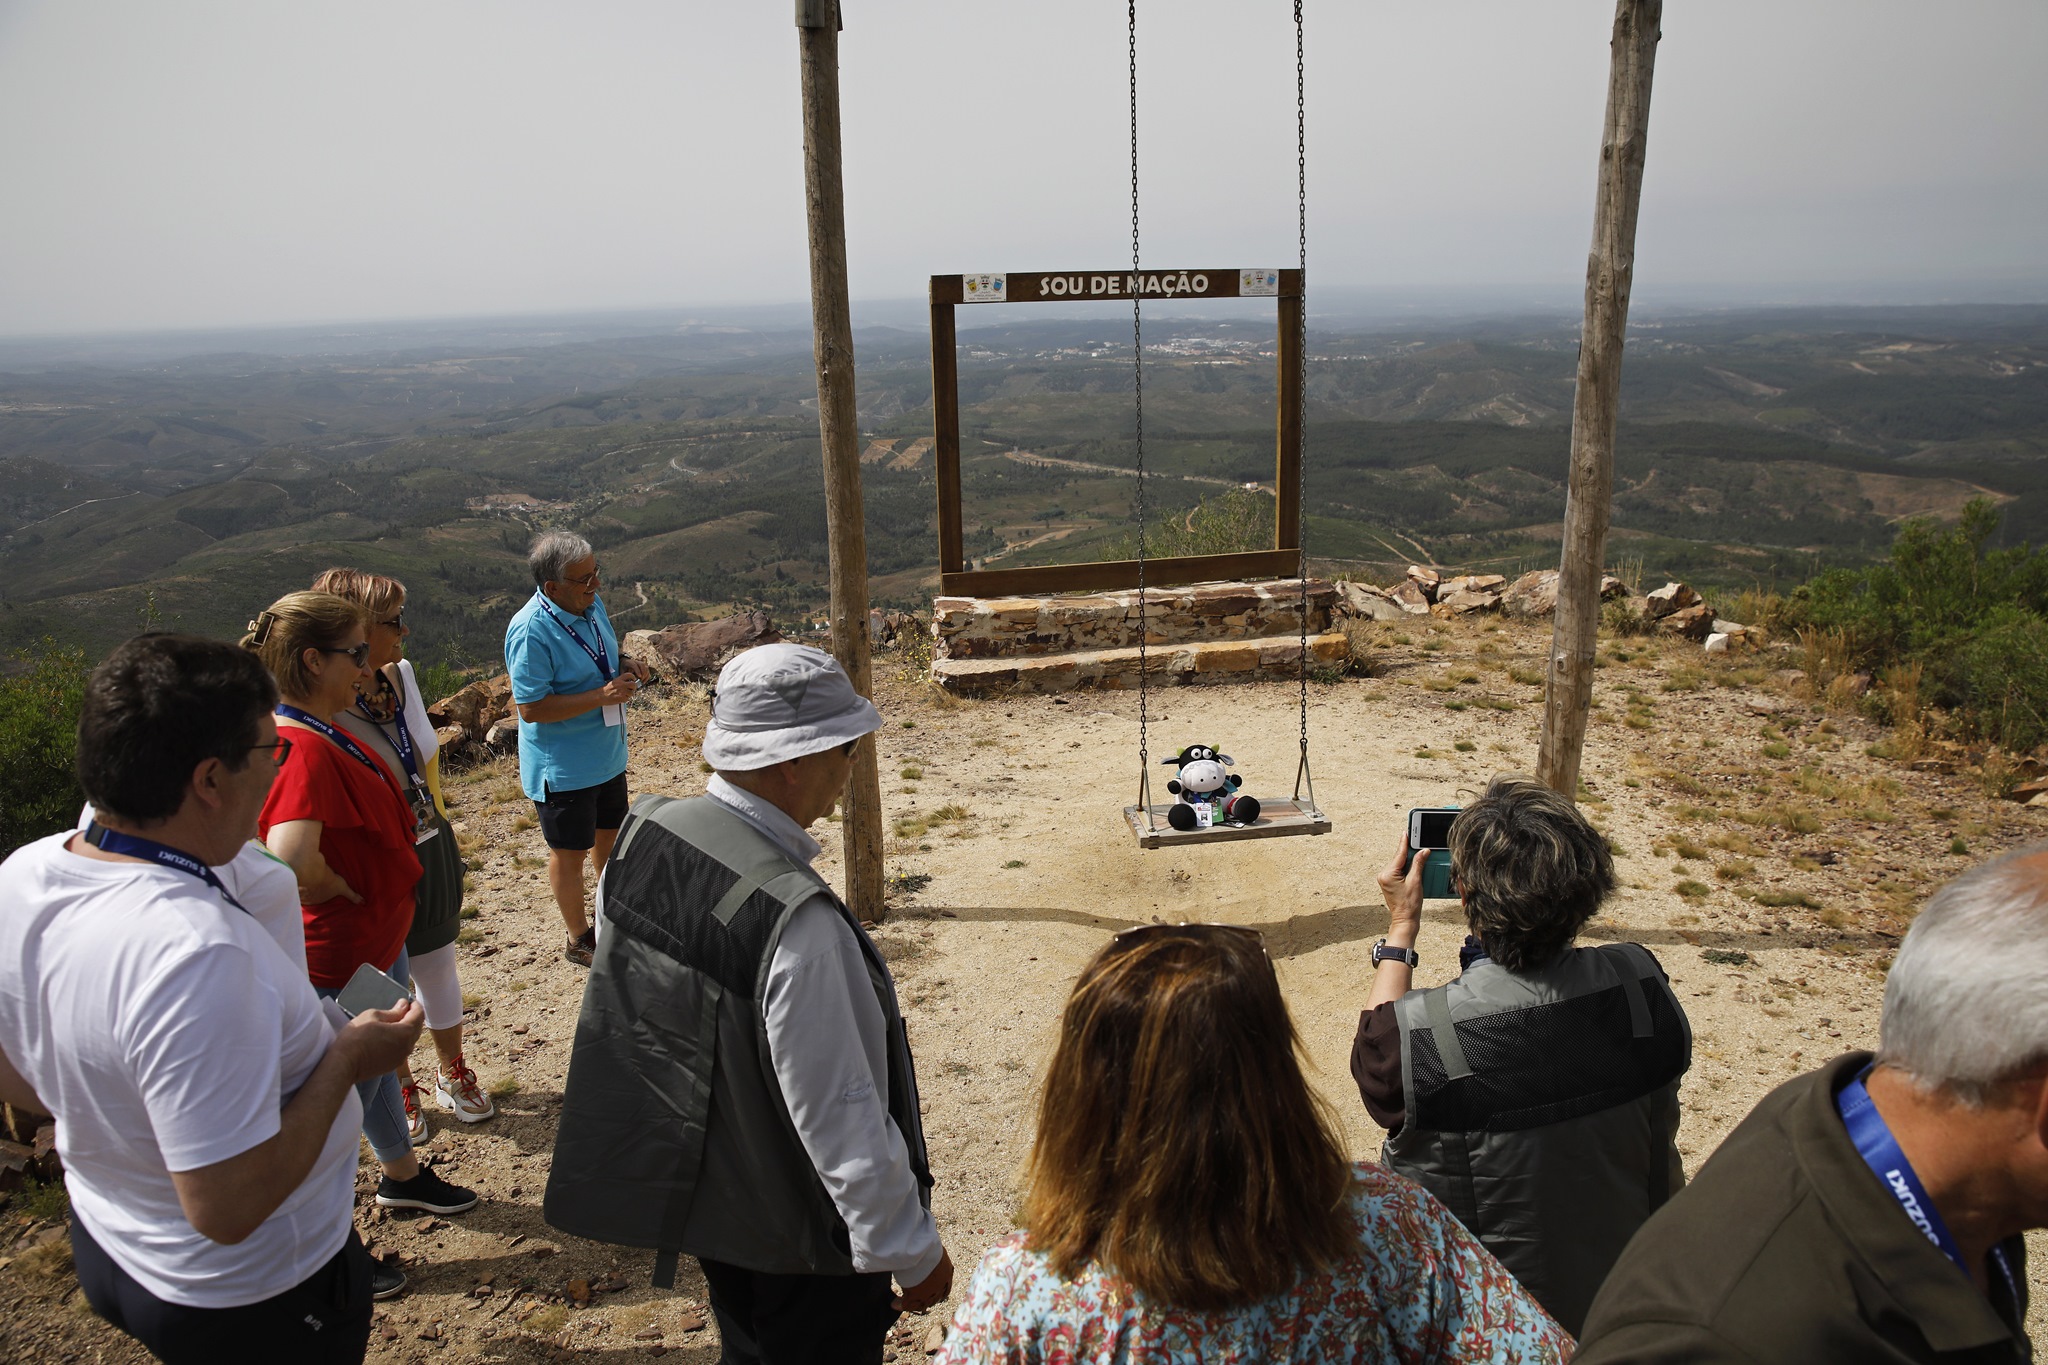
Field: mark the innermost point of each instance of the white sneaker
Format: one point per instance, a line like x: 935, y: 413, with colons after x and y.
x: 458, y: 1091
x: 415, y: 1117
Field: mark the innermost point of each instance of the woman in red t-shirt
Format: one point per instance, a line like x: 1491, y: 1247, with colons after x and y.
x: 339, y: 817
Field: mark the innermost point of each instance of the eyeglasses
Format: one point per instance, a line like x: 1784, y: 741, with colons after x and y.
x: 280, y: 748
x: 588, y: 580
x: 357, y: 654
x: 395, y: 623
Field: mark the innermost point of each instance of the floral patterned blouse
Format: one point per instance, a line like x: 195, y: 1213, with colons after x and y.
x: 1421, y: 1289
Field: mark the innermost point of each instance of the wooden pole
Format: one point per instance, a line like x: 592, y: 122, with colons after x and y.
x: 839, y: 431
x: 1610, y: 271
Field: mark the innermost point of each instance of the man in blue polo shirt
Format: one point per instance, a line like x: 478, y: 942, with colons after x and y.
x: 570, y: 687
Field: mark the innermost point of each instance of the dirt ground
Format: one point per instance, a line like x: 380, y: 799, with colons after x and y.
x: 1766, y: 858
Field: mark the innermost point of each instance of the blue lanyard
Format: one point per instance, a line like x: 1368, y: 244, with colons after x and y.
x: 600, y: 656
x: 1880, y: 1151
x: 112, y: 841
x: 341, y: 739
x: 401, y: 743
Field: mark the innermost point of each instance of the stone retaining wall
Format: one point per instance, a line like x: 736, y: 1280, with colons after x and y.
x: 1166, y: 665
x: 1013, y: 627
x: 1204, y: 632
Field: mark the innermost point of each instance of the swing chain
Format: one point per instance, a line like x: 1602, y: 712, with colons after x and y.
x: 1138, y: 406
x: 1301, y: 412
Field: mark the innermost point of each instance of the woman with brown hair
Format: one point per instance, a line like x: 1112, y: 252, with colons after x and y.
x: 1186, y: 1199
x: 389, y: 717
x: 339, y: 818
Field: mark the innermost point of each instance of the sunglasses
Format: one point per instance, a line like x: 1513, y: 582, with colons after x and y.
x: 357, y: 654
x: 395, y: 623
x: 280, y: 748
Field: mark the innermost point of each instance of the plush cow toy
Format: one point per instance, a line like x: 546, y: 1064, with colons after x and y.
x: 1203, y: 783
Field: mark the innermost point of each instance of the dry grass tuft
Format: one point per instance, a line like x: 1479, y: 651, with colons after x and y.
x: 50, y: 1261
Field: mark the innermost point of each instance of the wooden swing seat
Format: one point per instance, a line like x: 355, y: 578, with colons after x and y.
x: 1279, y: 816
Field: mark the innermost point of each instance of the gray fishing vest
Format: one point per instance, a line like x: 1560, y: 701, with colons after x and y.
x: 674, y: 1134
x: 1542, y: 1110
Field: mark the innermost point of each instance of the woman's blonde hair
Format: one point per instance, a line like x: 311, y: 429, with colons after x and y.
x: 296, y: 622
x: 373, y: 590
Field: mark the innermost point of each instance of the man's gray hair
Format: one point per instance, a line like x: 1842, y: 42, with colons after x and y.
x: 554, y: 551
x: 1966, y: 1003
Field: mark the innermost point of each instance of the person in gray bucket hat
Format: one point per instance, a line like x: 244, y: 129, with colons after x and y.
x: 741, y: 1089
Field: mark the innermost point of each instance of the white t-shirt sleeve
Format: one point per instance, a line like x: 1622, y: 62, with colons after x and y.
x: 268, y: 890
x: 416, y: 723
x: 826, y: 1040
x: 203, y: 1040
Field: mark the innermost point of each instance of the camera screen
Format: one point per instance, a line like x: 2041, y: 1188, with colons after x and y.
x: 1433, y: 828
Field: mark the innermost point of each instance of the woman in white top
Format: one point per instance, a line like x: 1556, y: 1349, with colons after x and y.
x: 391, y: 716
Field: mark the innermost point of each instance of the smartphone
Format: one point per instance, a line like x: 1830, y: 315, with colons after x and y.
x: 1430, y: 828
x: 370, y: 989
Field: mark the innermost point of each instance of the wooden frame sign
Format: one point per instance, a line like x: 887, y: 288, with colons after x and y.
x: 1115, y: 286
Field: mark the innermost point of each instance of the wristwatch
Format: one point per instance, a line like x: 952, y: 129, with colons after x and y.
x: 1382, y: 953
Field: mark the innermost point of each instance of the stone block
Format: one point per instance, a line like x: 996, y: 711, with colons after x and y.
x: 503, y: 736
x: 475, y: 707
x: 1409, y: 597
x: 1690, y: 623
x: 1533, y: 594
x: 975, y: 675
x: 1225, y: 658
x: 698, y: 649
x: 1471, y: 600
x: 1672, y: 597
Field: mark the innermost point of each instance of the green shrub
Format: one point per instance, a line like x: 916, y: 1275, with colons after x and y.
x: 442, y: 678
x: 1999, y: 678
x: 1622, y: 618
x: 1973, y: 619
x: 38, y: 739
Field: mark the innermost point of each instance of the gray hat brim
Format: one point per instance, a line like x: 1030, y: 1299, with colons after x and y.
x: 744, y: 750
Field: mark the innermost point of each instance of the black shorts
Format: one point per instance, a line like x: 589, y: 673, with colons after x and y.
x: 323, y: 1319
x: 571, y: 820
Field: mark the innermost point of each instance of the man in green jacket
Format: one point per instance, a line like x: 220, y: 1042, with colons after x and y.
x: 1873, y: 1210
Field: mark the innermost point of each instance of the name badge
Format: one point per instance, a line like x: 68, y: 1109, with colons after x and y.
x: 424, y: 825
x: 615, y: 714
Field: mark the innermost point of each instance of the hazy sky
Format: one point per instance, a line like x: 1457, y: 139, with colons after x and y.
x: 184, y: 163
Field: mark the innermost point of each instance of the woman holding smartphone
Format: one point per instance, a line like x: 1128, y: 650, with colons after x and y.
x: 338, y: 817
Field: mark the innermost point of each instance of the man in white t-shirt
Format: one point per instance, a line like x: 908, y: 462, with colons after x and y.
x: 261, y: 883
x: 203, y: 1094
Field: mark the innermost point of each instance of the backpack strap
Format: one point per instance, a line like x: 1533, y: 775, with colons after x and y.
x: 1637, y: 966
x: 1437, y: 1003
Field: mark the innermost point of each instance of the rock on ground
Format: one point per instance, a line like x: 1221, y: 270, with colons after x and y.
x: 696, y: 650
